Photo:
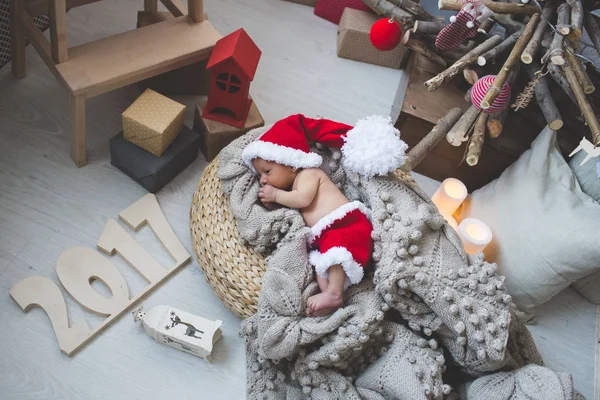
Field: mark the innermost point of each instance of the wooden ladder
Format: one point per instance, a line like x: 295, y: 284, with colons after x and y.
x: 110, y: 63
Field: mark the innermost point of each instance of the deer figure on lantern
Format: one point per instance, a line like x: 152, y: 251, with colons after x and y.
x: 191, y: 329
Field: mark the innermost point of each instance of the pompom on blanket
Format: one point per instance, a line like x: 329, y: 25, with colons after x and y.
x: 431, y: 322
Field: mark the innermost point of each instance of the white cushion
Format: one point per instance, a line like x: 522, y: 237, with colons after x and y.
x: 587, y: 174
x: 545, y: 229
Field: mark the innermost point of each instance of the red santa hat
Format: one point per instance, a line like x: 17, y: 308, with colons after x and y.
x: 371, y: 147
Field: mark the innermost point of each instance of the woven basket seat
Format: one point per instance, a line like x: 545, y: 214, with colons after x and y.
x: 233, y: 270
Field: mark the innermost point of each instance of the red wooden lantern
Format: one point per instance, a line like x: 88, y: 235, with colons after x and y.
x: 233, y: 64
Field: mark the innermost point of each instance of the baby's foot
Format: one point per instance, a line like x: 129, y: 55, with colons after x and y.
x: 324, y: 303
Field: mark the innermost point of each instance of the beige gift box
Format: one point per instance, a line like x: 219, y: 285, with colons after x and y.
x: 153, y: 121
x: 353, y: 40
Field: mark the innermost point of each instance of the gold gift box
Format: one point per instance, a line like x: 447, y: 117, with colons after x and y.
x: 153, y: 121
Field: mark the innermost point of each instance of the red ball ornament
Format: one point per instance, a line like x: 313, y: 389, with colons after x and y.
x: 481, y: 87
x: 385, y: 34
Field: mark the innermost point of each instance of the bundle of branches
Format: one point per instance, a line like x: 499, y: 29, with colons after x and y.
x: 544, y: 41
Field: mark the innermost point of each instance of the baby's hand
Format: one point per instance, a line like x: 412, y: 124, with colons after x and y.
x: 267, y: 194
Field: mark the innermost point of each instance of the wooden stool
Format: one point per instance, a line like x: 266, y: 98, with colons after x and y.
x: 109, y: 63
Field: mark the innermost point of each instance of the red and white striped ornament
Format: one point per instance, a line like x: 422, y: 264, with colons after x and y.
x: 481, y: 87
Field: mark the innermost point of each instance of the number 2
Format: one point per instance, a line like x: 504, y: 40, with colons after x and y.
x: 42, y: 292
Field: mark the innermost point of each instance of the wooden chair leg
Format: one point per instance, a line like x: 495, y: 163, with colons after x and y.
x: 151, y: 5
x: 196, y: 10
x: 77, y: 117
x: 17, y: 40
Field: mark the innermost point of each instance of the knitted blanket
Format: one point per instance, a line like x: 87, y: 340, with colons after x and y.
x: 430, y: 321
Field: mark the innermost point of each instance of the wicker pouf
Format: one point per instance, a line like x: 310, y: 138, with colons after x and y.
x: 233, y: 270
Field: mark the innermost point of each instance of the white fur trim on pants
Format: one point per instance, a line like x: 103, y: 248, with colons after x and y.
x: 336, y: 215
x: 337, y: 255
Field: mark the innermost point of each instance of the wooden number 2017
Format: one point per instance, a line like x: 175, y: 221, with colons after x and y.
x: 77, y: 267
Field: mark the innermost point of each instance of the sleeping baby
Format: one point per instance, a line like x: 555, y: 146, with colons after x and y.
x: 340, y: 239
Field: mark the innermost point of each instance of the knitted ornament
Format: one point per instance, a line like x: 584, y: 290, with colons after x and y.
x: 462, y: 26
x: 372, y: 147
x: 481, y: 87
x: 385, y: 34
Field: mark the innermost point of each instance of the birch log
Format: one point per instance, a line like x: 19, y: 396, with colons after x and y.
x: 584, y: 104
x: 510, y: 25
x: 555, y: 52
x: 576, y: 19
x: 497, y: 7
x: 418, y: 153
x: 583, y: 78
x: 506, y: 45
x: 486, y: 26
x: 509, y: 65
x: 384, y: 7
x: 544, y: 99
x: 421, y: 48
x: 563, y: 23
x: 559, y: 77
x: 477, y: 139
x: 495, y: 122
x: 532, y: 47
x: 469, y: 58
x: 458, y: 134
x: 428, y: 27
x: 547, y: 41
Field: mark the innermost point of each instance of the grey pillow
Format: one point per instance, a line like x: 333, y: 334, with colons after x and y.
x: 545, y: 228
x: 587, y: 174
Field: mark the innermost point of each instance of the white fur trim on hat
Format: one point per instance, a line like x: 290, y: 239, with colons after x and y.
x: 336, y: 215
x: 337, y: 255
x: 373, y: 147
x: 280, y: 154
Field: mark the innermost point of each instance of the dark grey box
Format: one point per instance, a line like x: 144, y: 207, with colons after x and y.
x: 152, y: 172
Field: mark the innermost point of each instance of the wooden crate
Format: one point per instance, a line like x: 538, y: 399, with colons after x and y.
x: 420, y: 111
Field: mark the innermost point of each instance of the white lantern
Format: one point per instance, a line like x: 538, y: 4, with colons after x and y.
x: 181, y: 330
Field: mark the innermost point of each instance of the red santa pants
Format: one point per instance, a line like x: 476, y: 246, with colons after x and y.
x: 342, y: 237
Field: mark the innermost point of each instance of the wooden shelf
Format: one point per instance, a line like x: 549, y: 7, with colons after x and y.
x: 113, y: 62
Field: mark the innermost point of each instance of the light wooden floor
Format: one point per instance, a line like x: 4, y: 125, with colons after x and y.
x: 48, y: 205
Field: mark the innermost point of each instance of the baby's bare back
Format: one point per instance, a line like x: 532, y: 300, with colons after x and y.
x: 327, y: 199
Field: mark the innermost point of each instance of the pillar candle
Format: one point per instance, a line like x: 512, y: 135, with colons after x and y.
x: 449, y: 195
x: 475, y: 235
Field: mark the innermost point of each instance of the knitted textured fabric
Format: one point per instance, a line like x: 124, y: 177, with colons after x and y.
x: 457, y: 32
x: 446, y: 302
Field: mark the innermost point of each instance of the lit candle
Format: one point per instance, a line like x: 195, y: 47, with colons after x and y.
x: 449, y: 196
x: 475, y: 235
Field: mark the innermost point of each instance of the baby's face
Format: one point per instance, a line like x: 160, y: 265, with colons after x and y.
x: 277, y: 175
